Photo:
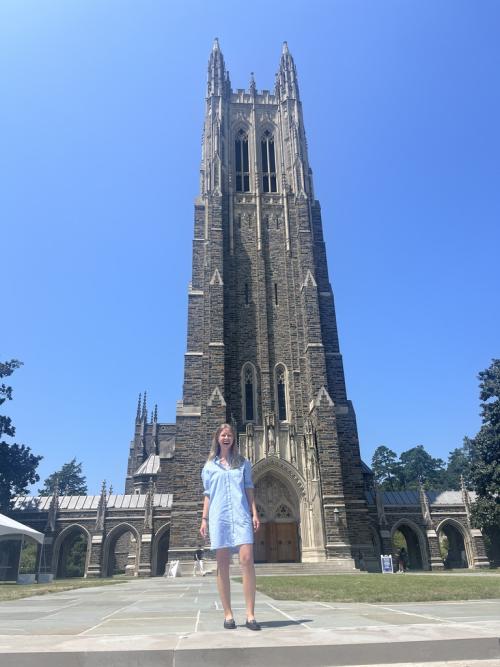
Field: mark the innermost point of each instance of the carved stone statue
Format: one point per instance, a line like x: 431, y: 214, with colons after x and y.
x: 250, y: 437
x: 293, y: 443
x: 311, y: 454
x: 271, y: 438
x: 313, y: 464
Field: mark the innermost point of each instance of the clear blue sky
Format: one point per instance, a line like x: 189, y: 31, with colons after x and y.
x: 100, y: 129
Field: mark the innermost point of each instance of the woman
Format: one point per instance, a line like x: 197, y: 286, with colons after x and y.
x: 230, y: 515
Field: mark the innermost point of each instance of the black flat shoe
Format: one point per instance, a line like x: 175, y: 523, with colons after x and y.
x: 230, y: 624
x: 252, y: 625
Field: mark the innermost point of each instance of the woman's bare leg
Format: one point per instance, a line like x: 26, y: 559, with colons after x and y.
x: 248, y: 572
x: 223, y: 583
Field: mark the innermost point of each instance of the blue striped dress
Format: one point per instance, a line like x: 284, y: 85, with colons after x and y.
x: 229, y: 518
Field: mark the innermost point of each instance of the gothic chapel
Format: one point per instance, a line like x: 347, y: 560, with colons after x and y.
x: 263, y: 354
x: 262, y: 344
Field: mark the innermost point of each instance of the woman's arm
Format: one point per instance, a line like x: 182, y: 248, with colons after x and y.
x: 253, y: 509
x: 204, y: 517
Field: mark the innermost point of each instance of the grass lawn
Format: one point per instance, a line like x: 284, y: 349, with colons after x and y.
x: 380, y: 587
x: 15, y: 591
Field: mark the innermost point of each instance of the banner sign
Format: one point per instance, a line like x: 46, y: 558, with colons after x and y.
x: 386, y: 564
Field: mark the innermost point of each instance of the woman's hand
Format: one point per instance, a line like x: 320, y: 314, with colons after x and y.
x: 204, y: 529
x: 256, y: 522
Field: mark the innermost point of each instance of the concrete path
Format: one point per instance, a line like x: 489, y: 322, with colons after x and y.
x: 178, y: 622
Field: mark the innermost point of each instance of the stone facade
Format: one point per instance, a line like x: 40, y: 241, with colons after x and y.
x: 262, y: 353
x: 425, y: 518
x: 122, y: 533
x: 130, y: 534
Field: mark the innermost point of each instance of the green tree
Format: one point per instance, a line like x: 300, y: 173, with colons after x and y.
x: 459, y: 465
x: 27, y: 562
x: 386, y: 469
x: 70, y: 481
x: 17, y: 464
x: 485, y: 471
x: 419, y: 466
x: 75, y: 562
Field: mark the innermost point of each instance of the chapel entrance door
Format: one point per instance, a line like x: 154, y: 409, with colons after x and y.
x: 277, y: 540
x: 286, y: 537
x: 259, y: 545
x: 276, y: 543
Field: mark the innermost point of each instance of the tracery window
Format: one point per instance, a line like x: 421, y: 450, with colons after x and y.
x: 281, y: 392
x: 241, y: 162
x: 249, y: 393
x: 268, y: 163
x: 283, y: 512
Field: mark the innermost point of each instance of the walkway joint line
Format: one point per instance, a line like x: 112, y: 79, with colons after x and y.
x: 72, y: 604
x: 291, y: 618
x: 410, y: 613
x: 132, y: 604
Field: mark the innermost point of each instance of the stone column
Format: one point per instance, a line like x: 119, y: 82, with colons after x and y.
x: 436, y: 561
x: 95, y: 561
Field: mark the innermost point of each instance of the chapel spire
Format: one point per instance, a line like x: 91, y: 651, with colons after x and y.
x: 287, y: 81
x: 218, y: 77
x: 138, y: 414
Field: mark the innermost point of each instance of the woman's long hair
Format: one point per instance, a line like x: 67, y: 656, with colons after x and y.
x: 236, y: 460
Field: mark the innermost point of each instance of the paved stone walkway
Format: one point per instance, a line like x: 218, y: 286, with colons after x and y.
x: 178, y: 622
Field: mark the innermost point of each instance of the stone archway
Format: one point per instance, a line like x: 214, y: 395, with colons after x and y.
x: 456, y: 548
x: 415, y: 545
x: 278, y: 538
x: 160, y: 551
x: 121, y: 551
x: 71, y: 552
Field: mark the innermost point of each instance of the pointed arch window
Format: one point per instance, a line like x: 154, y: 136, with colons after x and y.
x: 268, y: 163
x: 241, y: 162
x: 281, y: 393
x: 249, y: 393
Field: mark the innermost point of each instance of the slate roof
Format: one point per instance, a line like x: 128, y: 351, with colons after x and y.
x: 448, y: 497
x: 413, y: 498
x: 114, y: 501
x: 151, y: 466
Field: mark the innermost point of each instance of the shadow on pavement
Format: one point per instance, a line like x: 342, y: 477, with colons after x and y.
x: 282, y: 624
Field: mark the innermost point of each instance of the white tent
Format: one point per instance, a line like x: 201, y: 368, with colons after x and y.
x: 11, y: 527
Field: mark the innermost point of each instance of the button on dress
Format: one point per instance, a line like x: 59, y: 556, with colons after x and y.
x: 229, y: 518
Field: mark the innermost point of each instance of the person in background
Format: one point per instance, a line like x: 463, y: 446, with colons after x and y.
x: 403, y: 559
x: 198, y: 562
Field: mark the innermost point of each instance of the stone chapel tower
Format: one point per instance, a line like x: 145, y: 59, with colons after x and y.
x: 262, y: 344
x: 262, y: 353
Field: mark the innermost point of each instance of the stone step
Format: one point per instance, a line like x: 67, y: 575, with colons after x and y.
x: 289, y: 569
x: 340, y: 566
x: 219, y: 650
